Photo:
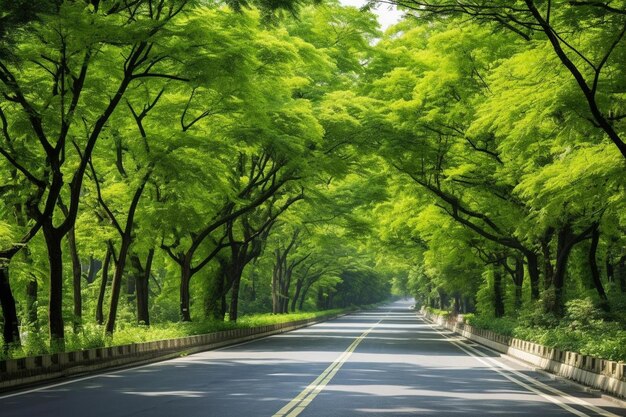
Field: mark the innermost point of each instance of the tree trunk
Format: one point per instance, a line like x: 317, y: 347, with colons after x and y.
x: 55, y: 304
x: 284, y: 299
x: 32, y: 288
x: 143, y: 291
x: 31, y: 302
x: 223, y: 305
x: 253, y: 285
x: 131, y: 287
x: 234, y: 296
x: 302, y: 299
x: 94, y: 267
x: 533, y: 273
x: 562, y: 252
x: 595, y: 272
x: 331, y: 301
x: 304, y: 292
x: 468, y: 304
x: 443, y: 299
x: 519, y: 283
x: 276, y: 276
x: 213, y: 308
x: 548, y: 270
x: 76, y: 278
x: 103, y: 286
x: 127, y: 237
x: 296, y: 295
x: 116, y: 284
x: 621, y: 273
x: 566, y: 240
x: 185, y: 279
x: 610, y: 271
x: 456, y: 305
x: 10, y: 330
x: 498, y: 293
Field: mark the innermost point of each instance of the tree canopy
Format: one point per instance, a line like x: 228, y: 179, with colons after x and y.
x: 191, y: 160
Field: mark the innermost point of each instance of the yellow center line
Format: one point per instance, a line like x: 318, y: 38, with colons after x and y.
x: 302, y: 400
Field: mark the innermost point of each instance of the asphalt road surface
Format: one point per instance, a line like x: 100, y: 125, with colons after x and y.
x: 387, y: 362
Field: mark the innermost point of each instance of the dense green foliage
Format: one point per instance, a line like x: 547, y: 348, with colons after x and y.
x: 91, y: 335
x: 506, y: 130
x: 189, y: 160
x: 167, y: 161
x: 583, y: 329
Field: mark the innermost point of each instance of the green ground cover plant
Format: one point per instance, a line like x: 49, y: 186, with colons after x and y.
x: 93, y: 336
x: 585, y: 329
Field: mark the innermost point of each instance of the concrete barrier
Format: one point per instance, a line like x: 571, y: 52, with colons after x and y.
x: 602, y: 374
x: 15, y: 373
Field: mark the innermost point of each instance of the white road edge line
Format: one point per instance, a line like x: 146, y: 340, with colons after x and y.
x: 132, y: 368
x: 547, y: 387
x: 573, y: 383
x: 493, y: 363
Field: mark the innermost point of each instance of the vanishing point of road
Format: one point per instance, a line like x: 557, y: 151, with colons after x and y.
x: 384, y: 362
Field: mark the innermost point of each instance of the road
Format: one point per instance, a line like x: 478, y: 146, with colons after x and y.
x: 386, y: 362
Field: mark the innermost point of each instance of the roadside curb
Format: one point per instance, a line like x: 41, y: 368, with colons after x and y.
x: 589, y: 390
x: 541, y: 359
x: 16, y: 374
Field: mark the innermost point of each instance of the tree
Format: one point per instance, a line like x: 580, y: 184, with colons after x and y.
x: 43, y: 88
x: 498, y: 140
x: 565, y: 26
x: 429, y: 118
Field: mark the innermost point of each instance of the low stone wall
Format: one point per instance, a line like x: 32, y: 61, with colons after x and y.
x: 602, y: 374
x: 15, y: 373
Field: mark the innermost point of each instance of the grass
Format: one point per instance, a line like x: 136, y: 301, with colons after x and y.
x: 583, y: 329
x: 437, y: 311
x: 92, y: 336
x: 602, y: 340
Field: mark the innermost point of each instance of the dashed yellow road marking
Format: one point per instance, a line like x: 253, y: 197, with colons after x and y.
x: 302, y: 400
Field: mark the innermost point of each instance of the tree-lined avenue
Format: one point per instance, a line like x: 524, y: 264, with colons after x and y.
x: 402, y: 366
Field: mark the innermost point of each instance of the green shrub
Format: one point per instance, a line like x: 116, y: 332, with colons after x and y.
x: 438, y: 312
x: 33, y: 343
x: 503, y: 325
x: 534, y: 315
x: 467, y: 317
x: 92, y: 336
x: 584, y: 329
x: 583, y: 314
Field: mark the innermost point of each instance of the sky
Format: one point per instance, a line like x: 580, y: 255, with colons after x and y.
x: 387, y: 15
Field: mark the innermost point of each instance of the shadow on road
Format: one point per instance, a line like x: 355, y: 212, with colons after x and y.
x: 402, y: 367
